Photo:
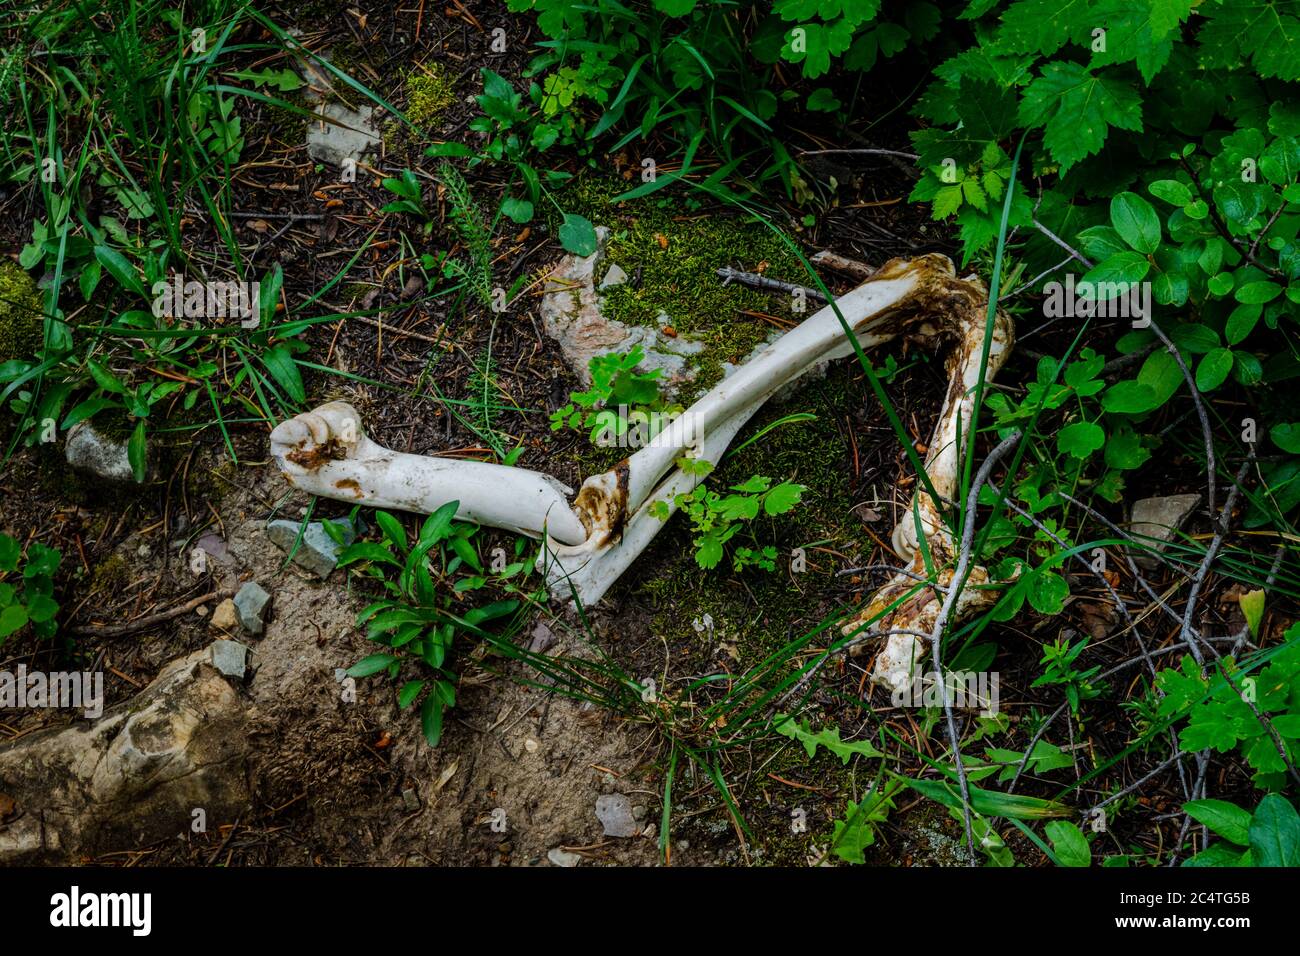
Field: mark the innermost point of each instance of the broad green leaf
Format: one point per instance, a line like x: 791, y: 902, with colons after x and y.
x: 1275, y: 833
x: 1080, y: 439
x: 1136, y: 222
x: 1223, y: 818
x: 1213, y: 369
x: 1068, y: 843
x: 577, y: 235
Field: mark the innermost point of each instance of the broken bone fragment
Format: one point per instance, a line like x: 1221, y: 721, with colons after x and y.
x: 592, y: 540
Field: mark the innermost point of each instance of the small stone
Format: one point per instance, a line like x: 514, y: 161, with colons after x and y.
x: 201, y: 611
x: 541, y: 639
x: 225, y: 617
x: 531, y: 745
x: 615, y: 276
x: 614, y: 810
x: 411, y: 799
x: 89, y: 450
x: 214, y: 546
x: 350, y: 136
x: 251, y: 604
x: 317, y: 551
x: 1155, y: 521
x: 143, y: 551
x: 230, y: 658
x: 639, y: 812
x: 559, y: 857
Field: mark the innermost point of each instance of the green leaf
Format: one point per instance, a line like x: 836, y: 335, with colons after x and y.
x: 1252, y: 607
x: 1223, y: 818
x: 828, y: 738
x: 1257, y: 293
x: 518, y: 210
x: 1047, y: 592
x: 1130, y: 397
x: 1171, y: 191
x: 137, y: 452
x: 280, y: 363
x: 1275, y: 833
x: 392, y: 529
x: 41, y: 608
x: 1136, y: 222
x: 1123, y: 268
x: 1286, y: 436
x: 10, y: 552
x: 431, y: 719
x: 577, y: 235
x: 991, y: 803
x: 708, y: 551
x: 1077, y: 109
x: 1080, y: 439
x: 783, y: 497
x: 1069, y: 843
x: 410, y: 690
x: 372, y: 664
x: 120, y: 268
x: 1241, y: 322
x: 12, y: 618
x: 1213, y: 369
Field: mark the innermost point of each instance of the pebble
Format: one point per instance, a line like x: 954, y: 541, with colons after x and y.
x: 230, y: 658
x: 251, y: 604
x: 225, y: 617
x: 559, y: 857
x: 614, y: 811
x: 317, y: 551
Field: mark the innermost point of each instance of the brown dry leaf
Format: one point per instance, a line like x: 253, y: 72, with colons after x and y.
x: 662, y: 240
x: 259, y: 226
x: 7, y: 806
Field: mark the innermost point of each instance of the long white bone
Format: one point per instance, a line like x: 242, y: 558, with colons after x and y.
x: 590, y: 543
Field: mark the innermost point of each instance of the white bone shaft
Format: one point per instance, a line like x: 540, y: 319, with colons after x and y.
x: 819, y: 337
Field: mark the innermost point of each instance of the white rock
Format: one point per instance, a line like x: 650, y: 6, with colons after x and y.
x: 91, y: 451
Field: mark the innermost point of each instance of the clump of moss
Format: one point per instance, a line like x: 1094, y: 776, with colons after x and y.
x: 677, y: 255
x: 427, y: 97
x: 110, y: 575
x: 21, y: 318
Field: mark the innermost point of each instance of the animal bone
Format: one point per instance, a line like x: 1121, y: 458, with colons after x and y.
x: 590, y: 543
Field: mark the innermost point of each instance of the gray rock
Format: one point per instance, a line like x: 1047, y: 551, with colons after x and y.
x: 330, y: 142
x: 614, y: 811
x: 1155, y: 521
x: 614, y: 276
x: 559, y: 857
x: 215, y: 547
x: 542, y: 638
x: 230, y: 658
x: 91, y: 451
x: 317, y: 552
x: 411, y: 799
x: 251, y: 603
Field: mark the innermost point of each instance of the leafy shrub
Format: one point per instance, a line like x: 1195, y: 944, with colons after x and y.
x: 417, y: 622
x: 30, y: 601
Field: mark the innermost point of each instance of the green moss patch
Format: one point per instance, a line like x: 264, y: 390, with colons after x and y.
x: 22, y: 326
